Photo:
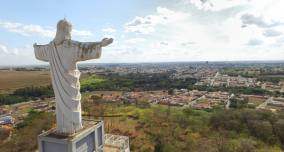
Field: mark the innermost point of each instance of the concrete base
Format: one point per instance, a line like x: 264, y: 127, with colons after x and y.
x: 89, y: 139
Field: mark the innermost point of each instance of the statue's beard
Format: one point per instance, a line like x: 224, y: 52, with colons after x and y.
x: 61, y: 36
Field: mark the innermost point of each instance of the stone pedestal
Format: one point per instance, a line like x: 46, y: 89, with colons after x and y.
x: 89, y: 139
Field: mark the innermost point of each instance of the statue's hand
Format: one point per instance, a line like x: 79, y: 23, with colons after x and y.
x: 106, y: 41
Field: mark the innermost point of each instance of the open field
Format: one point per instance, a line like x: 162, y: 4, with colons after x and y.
x: 256, y: 101
x: 11, y: 80
x: 278, y: 75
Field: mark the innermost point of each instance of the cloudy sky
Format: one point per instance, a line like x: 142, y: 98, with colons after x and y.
x: 149, y: 30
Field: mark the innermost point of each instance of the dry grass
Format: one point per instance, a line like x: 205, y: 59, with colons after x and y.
x: 11, y: 80
x: 256, y: 101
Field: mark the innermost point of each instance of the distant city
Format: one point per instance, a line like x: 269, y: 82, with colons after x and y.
x: 109, y: 90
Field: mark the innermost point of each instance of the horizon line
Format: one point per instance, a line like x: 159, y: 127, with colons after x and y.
x: 158, y: 62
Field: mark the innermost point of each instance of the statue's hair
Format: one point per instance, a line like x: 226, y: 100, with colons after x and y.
x: 63, y: 32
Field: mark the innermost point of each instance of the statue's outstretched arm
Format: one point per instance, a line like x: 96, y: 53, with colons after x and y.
x: 41, y: 52
x: 104, y: 42
x: 91, y: 50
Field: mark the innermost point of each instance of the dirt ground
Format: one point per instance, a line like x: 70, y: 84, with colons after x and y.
x: 11, y: 80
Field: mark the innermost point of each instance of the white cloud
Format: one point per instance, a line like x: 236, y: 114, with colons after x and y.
x: 196, y: 30
x: 249, y: 19
x: 254, y: 42
x: 188, y: 43
x: 4, y: 50
x: 190, y: 36
x: 27, y: 30
x: 36, y: 30
x: 216, y: 5
x: 109, y: 36
x: 22, y: 55
x: 109, y: 30
x: 163, y: 43
x: 271, y: 33
x: 135, y: 40
x: 147, y: 24
x: 82, y: 33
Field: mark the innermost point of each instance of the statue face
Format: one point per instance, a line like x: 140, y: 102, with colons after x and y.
x: 64, y: 29
x: 67, y: 31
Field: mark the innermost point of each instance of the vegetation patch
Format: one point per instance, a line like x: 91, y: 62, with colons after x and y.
x: 24, y: 136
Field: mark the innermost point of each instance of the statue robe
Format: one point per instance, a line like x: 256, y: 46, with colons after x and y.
x: 65, y: 76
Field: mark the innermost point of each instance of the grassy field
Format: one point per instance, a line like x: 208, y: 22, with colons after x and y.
x: 11, y: 80
x: 256, y: 101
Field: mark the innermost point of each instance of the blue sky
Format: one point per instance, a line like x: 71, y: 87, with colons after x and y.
x: 148, y: 30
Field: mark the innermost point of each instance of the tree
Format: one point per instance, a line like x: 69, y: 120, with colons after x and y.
x: 238, y: 102
x: 262, y: 130
x: 279, y: 130
x: 170, y: 92
x: 158, y: 146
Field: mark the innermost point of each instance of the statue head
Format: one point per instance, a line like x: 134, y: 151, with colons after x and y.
x: 63, y: 32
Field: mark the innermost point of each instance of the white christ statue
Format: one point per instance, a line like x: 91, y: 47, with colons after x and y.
x: 63, y: 54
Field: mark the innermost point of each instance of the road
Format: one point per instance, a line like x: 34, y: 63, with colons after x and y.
x: 264, y: 104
